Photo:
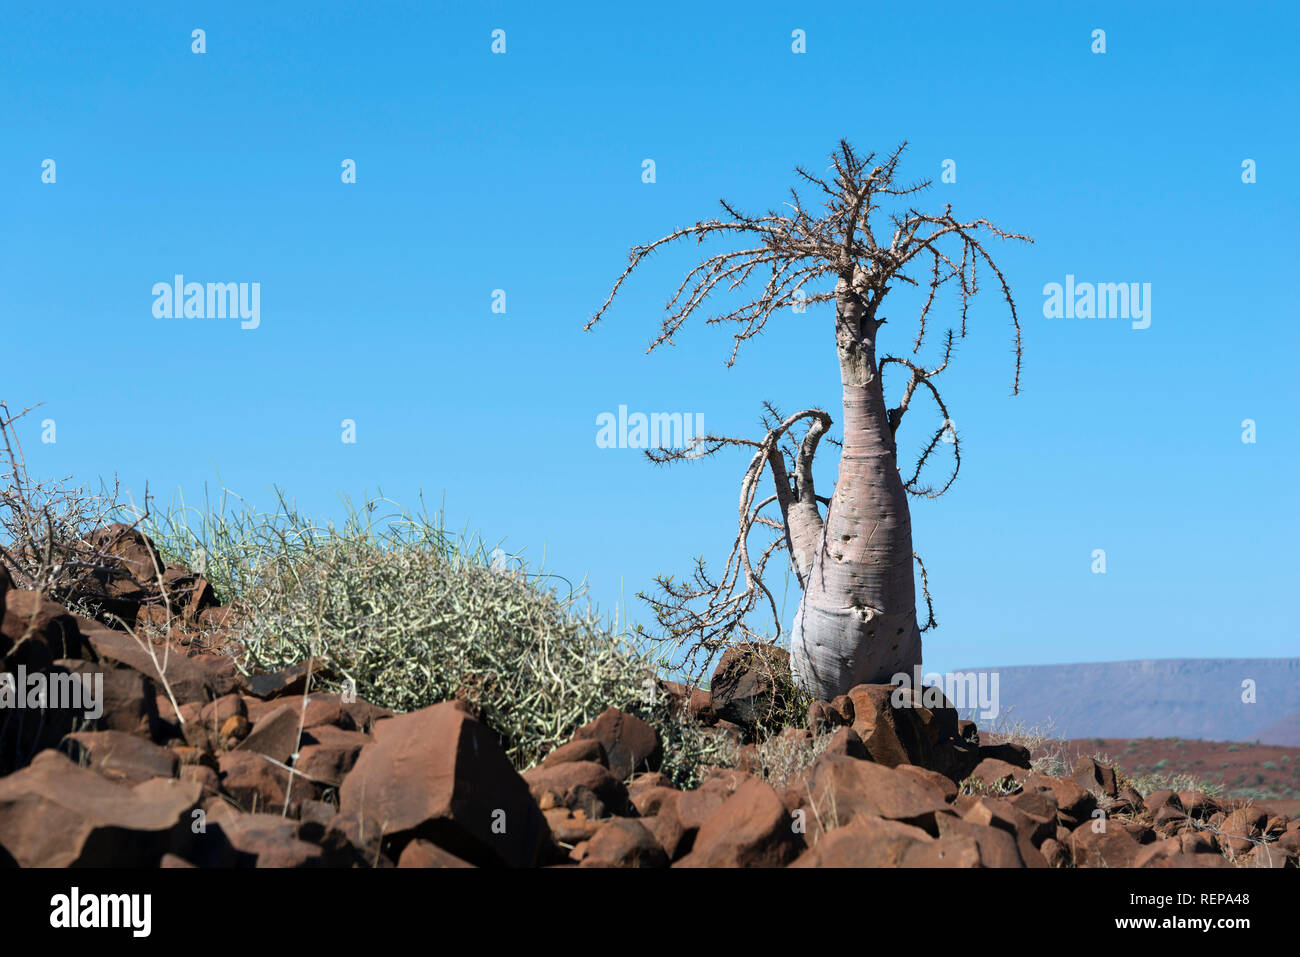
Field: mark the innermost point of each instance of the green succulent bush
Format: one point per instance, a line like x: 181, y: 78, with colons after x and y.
x: 409, y: 615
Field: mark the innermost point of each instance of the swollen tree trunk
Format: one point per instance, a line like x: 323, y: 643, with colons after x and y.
x: 856, y: 621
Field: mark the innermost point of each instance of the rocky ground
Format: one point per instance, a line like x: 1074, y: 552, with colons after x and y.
x: 1267, y: 773
x: 194, y: 764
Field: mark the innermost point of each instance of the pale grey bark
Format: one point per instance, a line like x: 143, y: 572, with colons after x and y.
x: 857, y: 616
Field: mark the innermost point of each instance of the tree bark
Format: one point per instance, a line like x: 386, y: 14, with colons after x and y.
x: 856, y: 622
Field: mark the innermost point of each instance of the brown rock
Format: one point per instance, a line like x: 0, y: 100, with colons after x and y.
x: 1054, y: 853
x: 328, y: 753
x: 846, y: 742
x: 624, y: 843
x: 1074, y: 804
x: 257, y: 785
x: 1027, y: 832
x: 1270, y: 856
x: 571, y: 827
x: 1094, y: 777
x: 216, y: 713
x: 1158, y: 799
x: 1199, y: 805
x: 997, y: 847
x: 275, y: 734
x: 824, y: 716
x: 1017, y: 755
x: 1112, y: 847
x: 35, y: 632
x: 750, y: 684
x: 934, y: 779
x: 1242, y: 829
x: 697, y: 701
x: 580, y: 749
x: 649, y: 801
x: 120, y: 756
x: 233, y: 730
x: 866, y: 842
x: 269, y: 840
x: 998, y: 776
x: 1039, y: 806
x: 55, y: 814
x: 842, y: 788
x: 198, y: 677
x: 576, y: 785
x: 421, y: 853
x: 439, y: 775
x: 667, y: 831
x: 630, y: 744
x: 202, y: 775
x: 1169, y: 820
x: 325, y: 709
x: 129, y: 698
x: 649, y: 779
x: 291, y: 681
x: 751, y: 829
x: 898, y: 728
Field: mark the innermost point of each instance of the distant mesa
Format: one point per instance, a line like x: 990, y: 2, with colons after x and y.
x: 1157, y: 698
x: 1284, y: 733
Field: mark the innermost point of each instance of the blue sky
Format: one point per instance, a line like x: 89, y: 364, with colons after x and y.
x: 522, y: 172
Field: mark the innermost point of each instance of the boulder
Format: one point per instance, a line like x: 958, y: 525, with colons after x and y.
x: 1016, y: 755
x: 35, y: 632
x: 751, y: 829
x: 696, y: 702
x: 629, y: 743
x: 1242, y: 830
x: 1094, y: 777
x: 751, y: 684
x: 275, y: 734
x: 328, y: 753
x: 56, y: 814
x: 269, y: 840
x: 649, y: 801
x: 624, y: 843
x: 1091, y: 846
x: 256, y: 785
x: 126, y: 573
x: 996, y: 775
x: 898, y: 727
x: 421, y: 853
x: 867, y: 842
x: 581, y: 749
x: 1074, y: 804
x: 841, y: 788
x: 120, y: 756
x: 292, y: 680
x: 1027, y: 832
x: 996, y: 847
x: 576, y: 785
x: 193, y: 677
x: 846, y: 742
x: 439, y: 775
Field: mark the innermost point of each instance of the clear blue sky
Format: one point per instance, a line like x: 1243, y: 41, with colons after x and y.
x: 522, y: 172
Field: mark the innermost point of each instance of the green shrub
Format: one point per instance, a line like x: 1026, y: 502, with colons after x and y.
x: 408, y: 615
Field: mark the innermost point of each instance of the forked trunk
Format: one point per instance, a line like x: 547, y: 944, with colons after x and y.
x: 856, y: 621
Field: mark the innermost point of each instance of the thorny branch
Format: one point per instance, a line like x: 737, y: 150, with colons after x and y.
x: 800, y: 254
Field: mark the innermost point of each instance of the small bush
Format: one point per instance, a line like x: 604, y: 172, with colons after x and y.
x: 408, y: 615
